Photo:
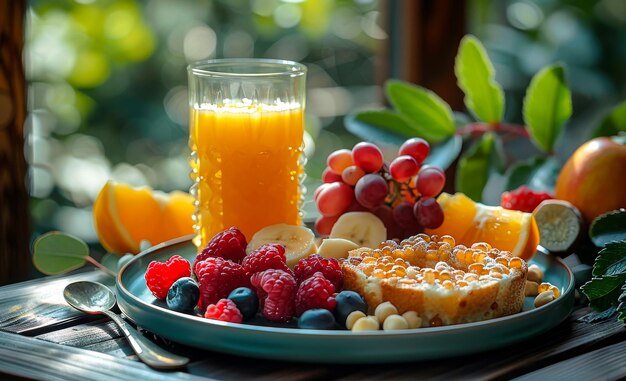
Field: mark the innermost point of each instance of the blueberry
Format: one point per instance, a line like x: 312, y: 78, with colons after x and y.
x: 348, y: 302
x: 316, y: 318
x: 246, y: 301
x: 183, y: 295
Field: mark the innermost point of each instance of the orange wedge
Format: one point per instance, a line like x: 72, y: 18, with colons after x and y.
x: 124, y: 216
x: 470, y: 222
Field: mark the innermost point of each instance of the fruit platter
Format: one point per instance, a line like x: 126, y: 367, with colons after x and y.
x: 258, y: 337
x: 378, y: 280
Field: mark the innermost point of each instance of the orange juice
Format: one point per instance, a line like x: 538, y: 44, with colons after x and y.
x: 247, y: 165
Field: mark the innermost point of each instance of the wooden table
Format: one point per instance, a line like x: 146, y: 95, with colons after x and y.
x: 41, y: 337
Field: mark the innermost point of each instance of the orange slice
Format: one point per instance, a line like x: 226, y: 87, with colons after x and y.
x: 124, y: 216
x: 470, y: 222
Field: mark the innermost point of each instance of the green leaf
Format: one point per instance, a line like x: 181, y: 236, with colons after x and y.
x: 613, y: 123
x: 608, y: 227
x: 445, y: 153
x: 423, y: 109
x: 57, y: 253
x: 609, y: 271
x: 593, y: 317
x: 547, y: 105
x: 475, y: 73
x: 442, y: 154
x: 617, y: 267
x: 603, y: 292
x: 611, y: 254
x: 621, y: 308
x: 474, y: 168
x: 538, y: 173
x: 382, y: 125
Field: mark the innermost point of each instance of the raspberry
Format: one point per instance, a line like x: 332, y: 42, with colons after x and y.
x: 315, y: 292
x: 161, y: 275
x: 277, y: 291
x: 224, y: 310
x: 229, y: 244
x: 313, y: 263
x: 523, y: 199
x: 270, y: 256
x: 217, y: 277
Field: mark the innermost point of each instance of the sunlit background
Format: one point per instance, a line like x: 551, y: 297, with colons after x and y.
x: 107, y: 78
x: 108, y: 86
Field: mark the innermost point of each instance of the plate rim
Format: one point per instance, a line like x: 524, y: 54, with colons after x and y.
x: 424, y: 331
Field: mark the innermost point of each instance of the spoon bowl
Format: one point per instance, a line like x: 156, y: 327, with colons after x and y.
x: 96, y: 298
x: 89, y: 297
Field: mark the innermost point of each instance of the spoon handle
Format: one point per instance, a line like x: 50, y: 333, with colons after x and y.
x: 147, y: 351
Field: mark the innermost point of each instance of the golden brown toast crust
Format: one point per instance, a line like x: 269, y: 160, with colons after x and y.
x: 444, y: 283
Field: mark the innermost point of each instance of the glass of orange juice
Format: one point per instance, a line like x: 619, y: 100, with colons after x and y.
x: 246, y: 137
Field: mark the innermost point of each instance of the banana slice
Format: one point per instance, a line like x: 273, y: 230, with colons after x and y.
x: 336, y: 248
x: 299, y: 241
x: 362, y: 228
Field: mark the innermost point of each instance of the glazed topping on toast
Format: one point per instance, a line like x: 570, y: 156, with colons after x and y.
x: 435, y: 260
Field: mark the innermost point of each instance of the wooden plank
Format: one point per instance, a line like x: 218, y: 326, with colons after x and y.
x: 568, y: 339
x: 230, y: 367
x: 38, y: 359
x: 37, y: 306
x: 608, y: 363
x: 84, y: 334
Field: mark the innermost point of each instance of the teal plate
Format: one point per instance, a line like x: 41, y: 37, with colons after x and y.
x: 334, y: 346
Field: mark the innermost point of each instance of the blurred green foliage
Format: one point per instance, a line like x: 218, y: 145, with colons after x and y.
x: 108, y: 96
x: 587, y: 37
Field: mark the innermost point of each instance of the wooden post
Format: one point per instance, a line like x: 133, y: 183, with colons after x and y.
x: 424, y: 36
x: 14, y: 231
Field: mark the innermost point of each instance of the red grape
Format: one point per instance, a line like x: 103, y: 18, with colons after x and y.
x: 334, y: 199
x: 404, y: 216
x: 352, y: 174
x: 323, y: 225
x: 428, y: 212
x: 385, y: 213
x: 371, y: 190
x: 402, y: 168
x: 418, y: 148
x: 339, y: 160
x: 430, y: 181
x: 412, y: 230
x: 318, y: 191
x: 356, y: 207
x: 368, y: 157
x: 328, y: 176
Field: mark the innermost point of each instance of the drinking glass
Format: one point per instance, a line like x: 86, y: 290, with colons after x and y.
x: 246, y: 137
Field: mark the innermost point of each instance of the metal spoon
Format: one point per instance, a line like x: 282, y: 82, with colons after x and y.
x: 96, y: 298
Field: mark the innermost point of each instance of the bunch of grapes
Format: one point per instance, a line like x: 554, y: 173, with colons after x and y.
x: 402, y: 193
